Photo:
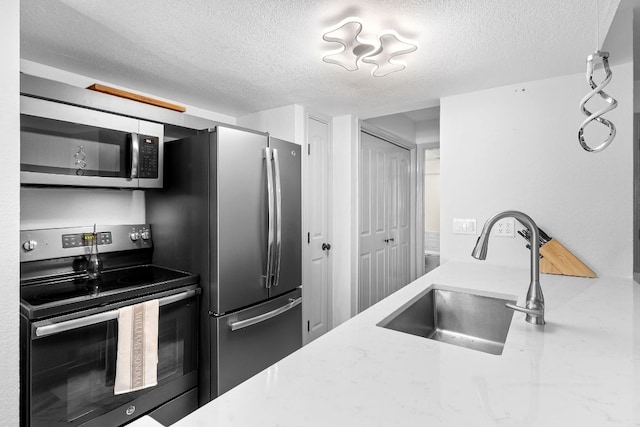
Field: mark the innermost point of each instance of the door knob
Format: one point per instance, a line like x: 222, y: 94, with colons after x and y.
x: 326, y: 247
x: 389, y: 240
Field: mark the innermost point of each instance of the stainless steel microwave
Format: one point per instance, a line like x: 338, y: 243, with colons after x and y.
x: 62, y: 144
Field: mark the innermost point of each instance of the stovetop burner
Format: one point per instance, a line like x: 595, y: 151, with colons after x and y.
x: 58, y: 296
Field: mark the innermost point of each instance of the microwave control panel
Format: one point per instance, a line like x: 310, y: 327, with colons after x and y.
x: 149, y: 149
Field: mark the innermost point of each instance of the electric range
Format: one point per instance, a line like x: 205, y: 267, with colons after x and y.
x: 73, y: 283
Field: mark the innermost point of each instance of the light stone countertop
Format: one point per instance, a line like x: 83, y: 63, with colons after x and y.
x: 581, y: 368
x: 145, y: 421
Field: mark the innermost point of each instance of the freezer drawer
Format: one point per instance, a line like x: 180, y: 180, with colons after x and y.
x: 252, y: 339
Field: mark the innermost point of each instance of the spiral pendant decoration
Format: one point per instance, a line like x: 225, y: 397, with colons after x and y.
x: 597, y: 89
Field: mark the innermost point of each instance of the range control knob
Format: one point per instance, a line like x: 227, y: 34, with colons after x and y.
x: 29, y: 245
x: 134, y: 236
x: 146, y: 234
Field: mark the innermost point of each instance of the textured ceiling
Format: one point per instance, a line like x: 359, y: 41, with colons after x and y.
x: 239, y: 57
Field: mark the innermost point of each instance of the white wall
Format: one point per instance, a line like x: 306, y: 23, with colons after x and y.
x: 285, y: 123
x: 345, y: 208
x: 515, y: 147
x: 432, y: 193
x: 9, y: 210
x: 70, y: 207
x: 428, y: 131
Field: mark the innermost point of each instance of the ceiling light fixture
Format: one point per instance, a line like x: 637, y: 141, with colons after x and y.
x: 380, y: 51
x: 391, y: 45
x: 353, y: 48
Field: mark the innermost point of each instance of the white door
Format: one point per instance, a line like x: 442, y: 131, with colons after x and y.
x: 374, y: 248
x: 384, y: 219
x: 317, y: 269
x: 398, y: 202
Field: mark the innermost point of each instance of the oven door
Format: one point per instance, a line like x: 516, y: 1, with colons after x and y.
x: 72, y: 362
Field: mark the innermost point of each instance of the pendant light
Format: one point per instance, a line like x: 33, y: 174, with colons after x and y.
x: 597, y: 89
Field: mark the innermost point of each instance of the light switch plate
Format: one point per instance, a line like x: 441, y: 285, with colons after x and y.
x: 464, y: 226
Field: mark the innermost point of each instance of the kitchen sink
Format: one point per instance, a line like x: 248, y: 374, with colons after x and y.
x: 471, y: 319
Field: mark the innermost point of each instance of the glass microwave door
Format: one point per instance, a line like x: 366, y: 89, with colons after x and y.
x: 58, y: 147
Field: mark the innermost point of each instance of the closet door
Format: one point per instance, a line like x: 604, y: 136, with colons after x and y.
x: 384, y: 219
x: 399, y: 217
x: 373, y: 220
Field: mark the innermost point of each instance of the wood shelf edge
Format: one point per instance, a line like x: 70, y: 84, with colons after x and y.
x: 135, y: 97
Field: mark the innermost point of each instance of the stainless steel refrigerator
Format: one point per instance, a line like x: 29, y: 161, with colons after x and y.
x: 230, y: 210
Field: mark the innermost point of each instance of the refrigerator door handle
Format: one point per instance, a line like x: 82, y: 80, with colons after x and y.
x: 278, y: 254
x: 270, y: 216
x: 240, y: 324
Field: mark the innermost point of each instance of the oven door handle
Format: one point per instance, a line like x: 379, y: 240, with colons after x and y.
x: 68, y: 325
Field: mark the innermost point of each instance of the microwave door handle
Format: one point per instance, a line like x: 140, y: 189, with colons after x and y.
x: 135, y: 155
x: 68, y: 325
x: 278, y: 191
x: 270, y: 214
x: 240, y: 324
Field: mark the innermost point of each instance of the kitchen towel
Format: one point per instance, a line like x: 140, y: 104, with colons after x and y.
x: 137, y: 357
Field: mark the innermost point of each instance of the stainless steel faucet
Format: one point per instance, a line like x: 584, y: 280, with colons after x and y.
x: 534, y: 308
